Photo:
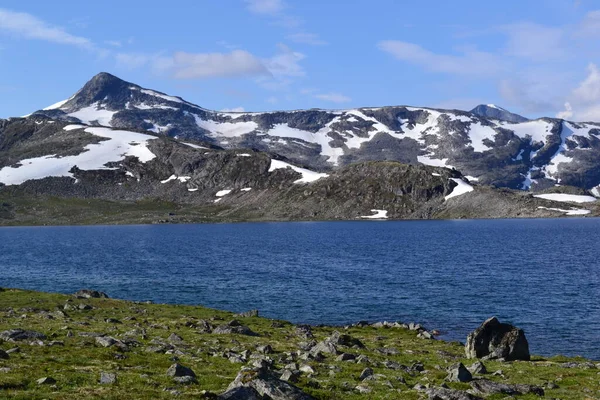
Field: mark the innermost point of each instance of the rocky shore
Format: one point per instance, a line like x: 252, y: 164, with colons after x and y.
x: 86, y: 345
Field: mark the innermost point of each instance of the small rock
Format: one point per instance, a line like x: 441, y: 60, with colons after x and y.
x: 290, y: 376
x: 46, y: 381
x: 458, y: 373
x: 4, y: 355
x: 249, y: 314
x: 266, y: 349
x: 85, y: 307
x: 478, y: 368
x: 176, y: 370
x: 366, y: 373
x: 107, y: 378
x: 90, y: 294
x: 185, y: 380
x: 105, y: 341
x: 15, y: 335
x: 346, y: 357
x: 307, y: 369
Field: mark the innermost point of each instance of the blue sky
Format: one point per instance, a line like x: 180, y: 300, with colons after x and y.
x: 538, y: 58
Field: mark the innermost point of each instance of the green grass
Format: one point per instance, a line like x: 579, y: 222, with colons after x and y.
x: 141, y: 375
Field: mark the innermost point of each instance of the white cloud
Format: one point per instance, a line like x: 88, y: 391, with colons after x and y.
x: 534, y: 41
x: 334, y: 97
x: 29, y: 27
x: 235, y: 109
x: 567, y: 113
x: 265, y: 7
x: 470, y: 62
x: 583, y: 103
x: 114, y: 43
x: 238, y: 63
x: 132, y: 60
x: 285, y: 63
x: 307, y: 38
x: 590, y: 26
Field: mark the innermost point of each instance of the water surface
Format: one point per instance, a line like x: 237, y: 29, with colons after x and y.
x: 542, y: 275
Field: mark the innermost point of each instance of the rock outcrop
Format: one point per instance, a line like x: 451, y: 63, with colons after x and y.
x: 495, y: 340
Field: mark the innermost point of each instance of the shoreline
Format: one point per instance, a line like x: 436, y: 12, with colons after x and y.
x: 138, y: 341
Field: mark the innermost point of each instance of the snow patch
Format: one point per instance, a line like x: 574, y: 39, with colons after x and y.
x: 244, y: 155
x: 246, y: 189
x: 93, y: 113
x: 307, y: 175
x: 73, y: 127
x: 222, y: 193
x: 462, y: 188
x: 572, y: 211
x: 379, y: 214
x: 95, y: 156
x: 568, y: 198
x: 195, y: 146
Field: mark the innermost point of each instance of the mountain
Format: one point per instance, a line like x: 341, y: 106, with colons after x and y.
x: 492, y: 111
x: 534, y: 155
x: 116, y: 152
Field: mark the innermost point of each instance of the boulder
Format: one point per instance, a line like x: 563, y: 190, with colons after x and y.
x: 478, y: 368
x: 324, y: 347
x: 487, y: 387
x: 240, y: 393
x: 249, y: 314
x: 46, y: 381
x: 16, y: 335
x: 177, y: 370
x: 234, y: 327
x: 107, y: 378
x: 90, y: 294
x: 494, y: 339
x: 449, y: 394
x: 458, y: 373
x: 345, y: 340
x: 267, y: 384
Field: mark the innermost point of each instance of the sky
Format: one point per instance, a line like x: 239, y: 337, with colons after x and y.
x: 536, y: 58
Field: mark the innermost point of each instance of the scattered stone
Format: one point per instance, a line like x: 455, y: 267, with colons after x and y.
x: 107, y: 378
x: 324, y: 347
x: 366, y: 373
x: 90, y: 294
x: 425, y: 335
x: 4, y: 355
x: 487, y: 387
x: 345, y: 340
x: 46, y: 381
x: 240, y: 393
x: 363, y: 389
x: 112, y: 321
x: 105, y: 341
x: 346, y: 357
x: 175, y: 338
x: 185, y: 380
x: 497, y: 340
x: 290, y: 376
x: 176, y: 370
x: 304, y: 331
x: 85, y: 307
x: 234, y: 327
x: 266, y: 349
x: 307, y: 369
x: 458, y: 373
x: 449, y: 394
x: 478, y: 368
x: 16, y: 335
x: 249, y: 314
x: 268, y: 385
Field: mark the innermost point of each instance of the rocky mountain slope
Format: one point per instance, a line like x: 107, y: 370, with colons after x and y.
x: 117, y: 142
x: 489, y: 144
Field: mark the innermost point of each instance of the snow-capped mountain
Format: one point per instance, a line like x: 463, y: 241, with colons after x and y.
x: 493, y: 111
x: 482, y: 144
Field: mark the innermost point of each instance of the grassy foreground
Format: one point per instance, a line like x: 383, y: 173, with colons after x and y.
x: 72, y: 356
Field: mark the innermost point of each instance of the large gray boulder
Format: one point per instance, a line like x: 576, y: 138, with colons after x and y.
x: 90, y: 294
x: 487, y: 387
x: 267, y: 384
x: 495, y: 340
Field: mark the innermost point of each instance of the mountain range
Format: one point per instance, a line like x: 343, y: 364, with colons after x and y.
x: 115, y: 140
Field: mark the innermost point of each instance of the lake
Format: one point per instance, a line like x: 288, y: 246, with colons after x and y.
x: 542, y: 275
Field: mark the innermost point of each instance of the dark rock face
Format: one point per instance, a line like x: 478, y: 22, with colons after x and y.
x: 487, y: 387
x: 240, y: 393
x: 499, y: 113
x: 497, y: 340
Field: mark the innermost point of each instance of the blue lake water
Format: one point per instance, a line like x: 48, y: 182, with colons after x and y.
x: 541, y: 275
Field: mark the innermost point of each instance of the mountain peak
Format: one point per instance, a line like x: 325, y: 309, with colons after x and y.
x: 496, y: 112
